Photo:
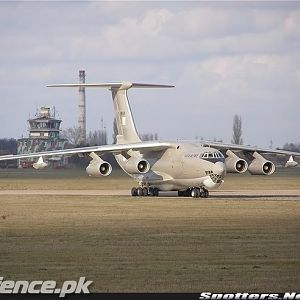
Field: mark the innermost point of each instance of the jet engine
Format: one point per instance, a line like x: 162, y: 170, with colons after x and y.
x: 235, y: 164
x: 261, y: 166
x: 135, y: 165
x: 98, y: 167
x: 40, y: 164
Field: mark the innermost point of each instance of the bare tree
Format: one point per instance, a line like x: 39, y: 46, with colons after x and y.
x: 217, y: 140
x: 271, y: 144
x: 9, y: 145
x: 142, y: 136
x: 237, y: 130
x: 72, y: 134
x: 148, y: 136
x: 291, y: 147
x: 97, y: 138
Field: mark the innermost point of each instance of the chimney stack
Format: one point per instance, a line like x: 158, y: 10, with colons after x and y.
x: 82, y: 109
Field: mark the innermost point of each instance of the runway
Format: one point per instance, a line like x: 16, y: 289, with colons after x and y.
x: 234, y: 194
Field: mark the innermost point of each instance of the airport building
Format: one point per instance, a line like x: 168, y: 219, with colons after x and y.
x: 44, y: 135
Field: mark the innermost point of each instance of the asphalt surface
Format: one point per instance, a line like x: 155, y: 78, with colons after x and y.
x: 234, y: 194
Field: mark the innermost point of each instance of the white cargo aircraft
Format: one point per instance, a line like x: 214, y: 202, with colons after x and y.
x: 189, y: 168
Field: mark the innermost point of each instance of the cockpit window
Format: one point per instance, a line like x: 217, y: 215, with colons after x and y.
x: 212, y: 155
x: 221, y: 155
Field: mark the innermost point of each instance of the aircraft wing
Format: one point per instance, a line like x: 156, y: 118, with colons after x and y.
x: 241, y: 148
x: 280, y: 156
x: 142, y: 147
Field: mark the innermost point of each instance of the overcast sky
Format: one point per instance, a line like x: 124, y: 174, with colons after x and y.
x: 224, y: 58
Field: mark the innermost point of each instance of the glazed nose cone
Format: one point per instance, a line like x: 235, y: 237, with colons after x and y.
x: 219, y: 168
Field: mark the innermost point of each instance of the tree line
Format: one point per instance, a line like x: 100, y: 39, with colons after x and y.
x: 8, y: 145
x: 99, y: 137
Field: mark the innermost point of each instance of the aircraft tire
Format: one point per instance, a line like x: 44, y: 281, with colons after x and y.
x: 195, y: 193
x: 187, y: 193
x: 139, y: 192
x: 151, y: 191
x: 134, y: 192
x: 202, y: 193
x: 145, y: 192
x: 155, y: 192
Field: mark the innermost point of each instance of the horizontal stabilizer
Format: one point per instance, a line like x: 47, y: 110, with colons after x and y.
x: 113, y: 85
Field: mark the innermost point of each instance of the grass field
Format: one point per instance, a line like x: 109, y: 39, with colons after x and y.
x: 129, y: 244
x: 78, y: 180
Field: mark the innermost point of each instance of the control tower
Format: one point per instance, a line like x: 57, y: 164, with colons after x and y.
x: 43, y: 136
x: 44, y: 126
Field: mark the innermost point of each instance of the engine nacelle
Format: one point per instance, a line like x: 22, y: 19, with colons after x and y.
x: 135, y: 166
x: 261, y: 166
x: 235, y: 164
x: 98, y: 167
x: 40, y: 164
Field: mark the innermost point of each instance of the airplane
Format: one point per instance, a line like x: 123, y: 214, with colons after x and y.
x: 191, y: 169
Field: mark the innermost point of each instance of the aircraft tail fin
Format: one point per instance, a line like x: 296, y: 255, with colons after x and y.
x: 124, y: 120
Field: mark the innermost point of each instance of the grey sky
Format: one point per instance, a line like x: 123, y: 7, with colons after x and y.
x: 223, y: 57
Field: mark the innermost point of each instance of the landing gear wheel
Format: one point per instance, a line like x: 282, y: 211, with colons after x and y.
x: 155, y: 192
x: 145, y: 191
x: 206, y: 193
x: 187, y: 192
x: 139, y: 192
x: 151, y: 191
x: 195, y: 193
x: 181, y: 193
x: 133, y: 192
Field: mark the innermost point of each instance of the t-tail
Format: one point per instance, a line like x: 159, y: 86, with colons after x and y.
x: 127, y: 132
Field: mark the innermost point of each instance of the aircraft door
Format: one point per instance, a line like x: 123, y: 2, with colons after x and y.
x: 177, y: 163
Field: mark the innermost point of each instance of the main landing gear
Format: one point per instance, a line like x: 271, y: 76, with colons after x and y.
x: 194, y: 192
x: 144, y: 191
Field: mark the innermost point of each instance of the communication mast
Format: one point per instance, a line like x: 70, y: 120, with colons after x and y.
x: 82, y: 110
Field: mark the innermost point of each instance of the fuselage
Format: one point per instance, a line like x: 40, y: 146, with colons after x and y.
x: 181, y: 166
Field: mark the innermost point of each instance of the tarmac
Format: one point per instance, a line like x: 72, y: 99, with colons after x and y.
x: 234, y: 194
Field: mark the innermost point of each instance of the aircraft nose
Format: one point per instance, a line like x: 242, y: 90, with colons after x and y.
x: 219, y: 168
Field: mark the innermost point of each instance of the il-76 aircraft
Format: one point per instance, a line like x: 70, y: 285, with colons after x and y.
x: 189, y: 168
